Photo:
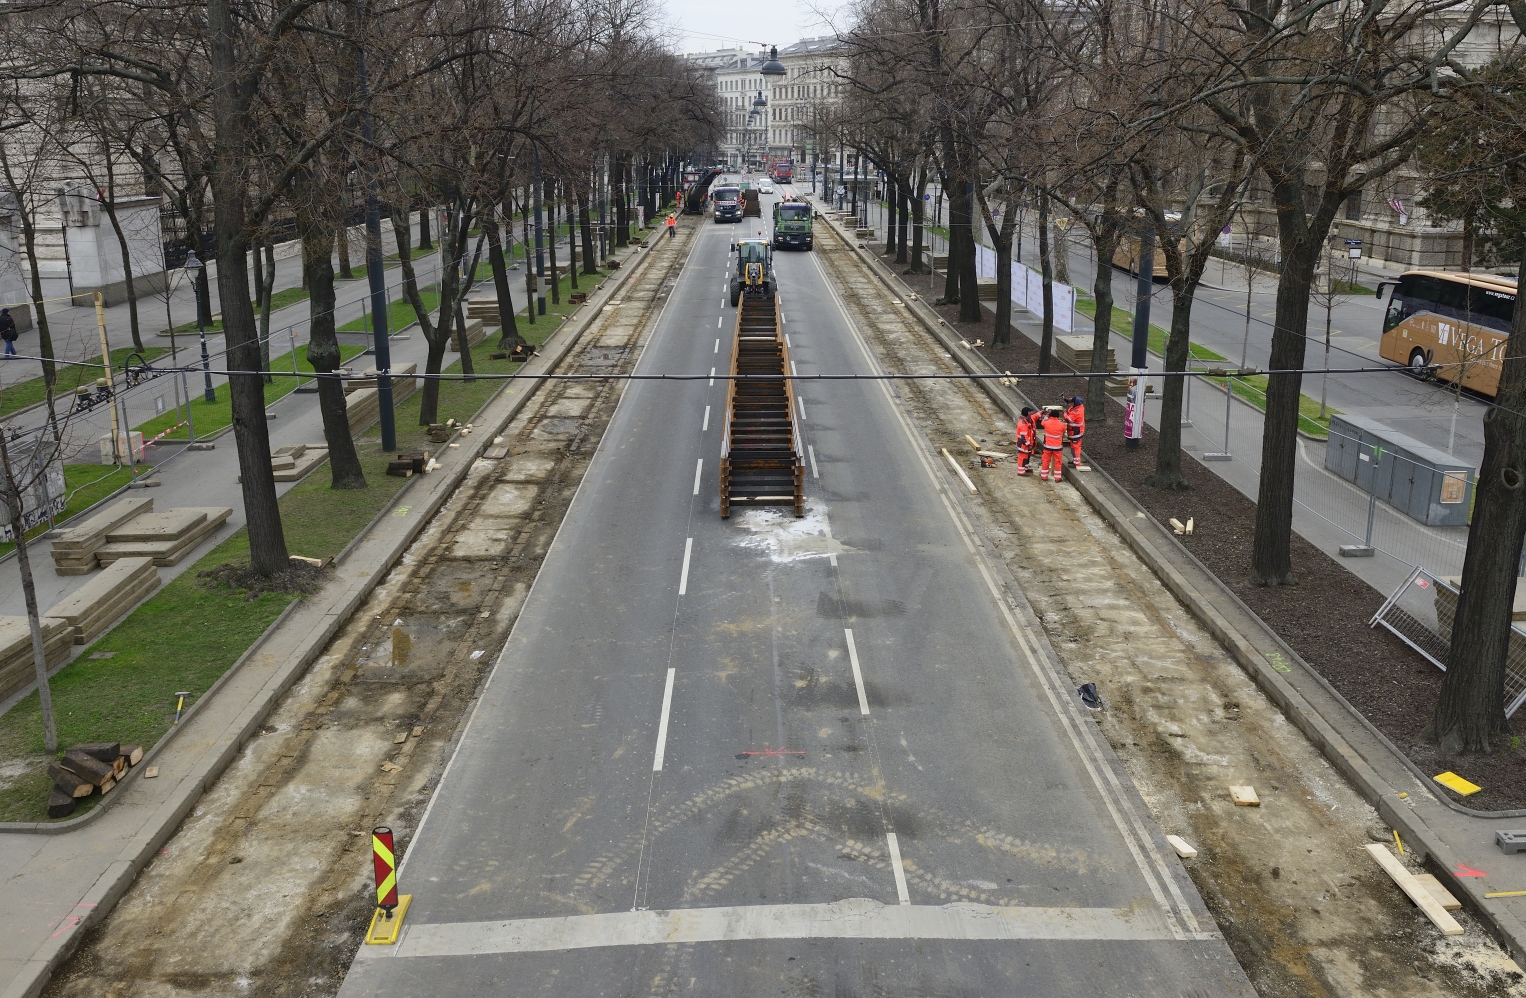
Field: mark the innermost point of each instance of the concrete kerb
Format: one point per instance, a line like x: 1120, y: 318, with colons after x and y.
x: 120, y: 874
x: 1123, y: 513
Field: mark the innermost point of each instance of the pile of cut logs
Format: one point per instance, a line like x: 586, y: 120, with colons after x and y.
x: 84, y: 769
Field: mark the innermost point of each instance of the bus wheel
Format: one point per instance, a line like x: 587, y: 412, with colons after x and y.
x: 1418, y: 368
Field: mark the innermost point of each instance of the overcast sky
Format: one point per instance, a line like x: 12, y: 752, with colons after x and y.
x: 705, y: 25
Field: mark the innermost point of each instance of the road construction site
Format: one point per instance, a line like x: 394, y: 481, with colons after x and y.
x: 849, y: 741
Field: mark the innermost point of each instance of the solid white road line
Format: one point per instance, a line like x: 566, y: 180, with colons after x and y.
x: 895, y: 847
x: 858, y: 676
x: 683, y: 578
x: 811, y: 448
x: 697, y: 469
x: 662, y: 738
x: 712, y: 377
x: 854, y: 918
x: 801, y: 402
x: 706, y: 426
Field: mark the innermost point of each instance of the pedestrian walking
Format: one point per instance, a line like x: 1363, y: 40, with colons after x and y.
x: 672, y: 225
x: 8, y: 332
x: 1025, y: 438
x: 1053, y: 428
x: 1075, y: 415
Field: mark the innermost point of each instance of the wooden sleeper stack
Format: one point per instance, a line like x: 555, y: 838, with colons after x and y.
x: 16, y: 665
x: 74, y: 550
x: 99, y: 603
x: 363, y: 408
x: 165, y: 537
x: 293, y: 461
x: 85, y: 769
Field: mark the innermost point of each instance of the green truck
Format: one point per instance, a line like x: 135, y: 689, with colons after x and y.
x: 792, y: 224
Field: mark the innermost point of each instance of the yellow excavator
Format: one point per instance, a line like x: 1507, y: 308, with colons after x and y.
x: 754, y: 276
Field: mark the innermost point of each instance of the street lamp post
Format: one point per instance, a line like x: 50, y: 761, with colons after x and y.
x: 194, y: 267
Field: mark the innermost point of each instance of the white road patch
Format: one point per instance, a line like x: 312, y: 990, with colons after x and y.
x: 895, y: 865
x: 854, y: 918
x: 787, y: 342
x: 858, y: 675
x: 784, y: 538
x: 662, y: 725
x: 683, y: 577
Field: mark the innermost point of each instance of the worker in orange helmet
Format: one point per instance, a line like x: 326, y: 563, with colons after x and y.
x: 1054, y: 430
x: 1025, y: 438
x: 1075, y: 415
x: 672, y: 225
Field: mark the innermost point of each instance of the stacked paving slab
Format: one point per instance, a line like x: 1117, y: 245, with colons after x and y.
x: 95, y: 606
x: 485, y: 309
x: 293, y: 461
x: 17, y: 667
x: 164, y: 537
x: 362, y: 408
x: 475, y: 332
x: 74, y: 550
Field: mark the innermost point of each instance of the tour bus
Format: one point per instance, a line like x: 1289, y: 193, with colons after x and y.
x: 1450, y: 326
x: 1126, y: 256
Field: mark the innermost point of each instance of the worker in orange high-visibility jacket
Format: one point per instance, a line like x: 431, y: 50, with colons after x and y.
x: 1025, y: 439
x: 1053, y: 428
x: 1075, y: 415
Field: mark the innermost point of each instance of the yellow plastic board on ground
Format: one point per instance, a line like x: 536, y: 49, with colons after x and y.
x: 1454, y: 782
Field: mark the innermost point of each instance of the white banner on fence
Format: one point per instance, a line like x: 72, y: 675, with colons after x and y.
x: 1028, y: 292
x: 985, y: 261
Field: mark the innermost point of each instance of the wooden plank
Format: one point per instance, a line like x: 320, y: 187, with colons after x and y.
x: 1411, y: 885
x: 1244, y: 796
x: 1183, y: 849
x: 1441, y: 894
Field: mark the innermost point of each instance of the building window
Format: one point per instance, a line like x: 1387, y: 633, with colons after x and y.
x: 1354, y: 207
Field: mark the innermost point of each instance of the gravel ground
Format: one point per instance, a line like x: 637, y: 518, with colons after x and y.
x: 1324, y: 618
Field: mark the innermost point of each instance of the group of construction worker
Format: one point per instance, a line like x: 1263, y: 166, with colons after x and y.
x: 1051, y: 428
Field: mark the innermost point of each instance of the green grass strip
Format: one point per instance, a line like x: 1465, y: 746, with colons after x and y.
x: 399, y: 316
x: 209, y: 417
x: 23, y: 394
x: 1252, y: 389
x: 85, y: 485
x: 187, y: 635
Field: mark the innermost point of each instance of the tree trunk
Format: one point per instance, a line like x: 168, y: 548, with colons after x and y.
x: 918, y: 222
x: 424, y: 243
x: 1105, y: 240
x: 39, y: 308
x: 1168, y: 455
x: 342, y: 239
x: 13, y: 501
x: 1046, y: 266
x: 903, y: 200
x: 430, y: 393
x: 556, y: 282
x: 132, y: 292
x: 323, y: 355
x: 267, y: 542
x: 962, y: 232
x: 585, y: 222
x: 1470, y: 711
x: 508, y: 328
x: 1272, y: 560
x: 622, y: 204
x: 265, y: 284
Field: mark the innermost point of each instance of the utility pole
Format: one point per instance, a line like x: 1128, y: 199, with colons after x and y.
x: 540, y: 254
x: 1140, y: 362
x: 374, y: 266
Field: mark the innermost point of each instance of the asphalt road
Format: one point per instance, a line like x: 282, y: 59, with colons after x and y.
x: 776, y: 756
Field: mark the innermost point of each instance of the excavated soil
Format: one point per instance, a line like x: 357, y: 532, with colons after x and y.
x: 1303, y: 907
x: 1324, y: 618
x: 265, y: 889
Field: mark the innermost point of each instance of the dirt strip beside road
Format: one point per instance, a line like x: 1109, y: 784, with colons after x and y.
x: 1304, y: 908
